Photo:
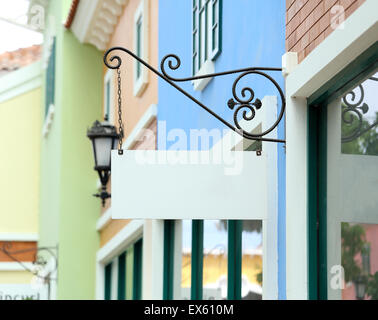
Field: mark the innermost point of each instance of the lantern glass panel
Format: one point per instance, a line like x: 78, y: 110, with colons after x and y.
x: 103, y: 146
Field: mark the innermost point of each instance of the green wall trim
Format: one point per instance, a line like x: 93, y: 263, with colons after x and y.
x: 137, y: 270
x: 197, y: 260
x: 168, y: 271
x: 108, y: 282
x: 122, y: 277
x: 234, y: 259
x: 317, y: 202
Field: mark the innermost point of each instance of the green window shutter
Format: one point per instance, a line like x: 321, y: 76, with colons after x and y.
x: 122, y: 277
x: 216, y: 29
x: 195, y: 38
x: 202, y: 31
x: 139, y: 46
x: 50, y: 78
x: 137, y: 270
x: 108, y: 282
x: 169, y: 240
x: 107, y: 107
x: 234, y: 277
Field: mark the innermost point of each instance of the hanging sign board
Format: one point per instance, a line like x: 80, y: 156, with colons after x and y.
x: 189, y: 185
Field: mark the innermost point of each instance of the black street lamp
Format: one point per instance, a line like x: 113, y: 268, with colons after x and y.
x: 104, y: 138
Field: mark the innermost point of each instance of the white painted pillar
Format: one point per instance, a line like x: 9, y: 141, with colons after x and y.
x: 296, y: 189
x: 153, y: 260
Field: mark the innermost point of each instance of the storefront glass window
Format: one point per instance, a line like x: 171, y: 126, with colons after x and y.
x: 215, y: 253
x: 252, y: 257
x: 352, y: 188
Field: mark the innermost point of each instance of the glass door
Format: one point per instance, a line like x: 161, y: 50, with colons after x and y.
x: 352, y: 192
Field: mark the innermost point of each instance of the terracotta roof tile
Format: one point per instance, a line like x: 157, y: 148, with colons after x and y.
x: 72, y: 13
x: 11, y: 61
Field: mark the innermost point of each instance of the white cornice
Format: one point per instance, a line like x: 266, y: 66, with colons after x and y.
x: 15, y: 266
x: 24, y: 237
x: 95, y: 21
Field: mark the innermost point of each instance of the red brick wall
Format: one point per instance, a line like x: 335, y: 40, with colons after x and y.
x: 308, y: 22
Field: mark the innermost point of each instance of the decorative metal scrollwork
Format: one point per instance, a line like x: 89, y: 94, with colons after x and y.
x: 245, y: 103
x: 353, y: 112
x: 39, y: 261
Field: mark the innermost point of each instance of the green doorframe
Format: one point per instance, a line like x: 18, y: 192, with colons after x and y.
x: 197, y: 260
x: 169, y: 247
x: 317, y: 165
x: 317, y: 201
x: 234, y: 274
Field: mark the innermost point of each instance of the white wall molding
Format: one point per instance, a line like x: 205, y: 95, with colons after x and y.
x: 20, y: 81
x: 95, y: 21
x: 207, y: 68
x: 143, y: 123
x: 129, y: 234
x: 336, y: 52
x: 15, y: 266
x: 104, y: 220
x: 19, y: 236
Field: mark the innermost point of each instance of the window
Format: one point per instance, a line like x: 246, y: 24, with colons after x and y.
x: 50, y: 79
x: 206, y: 34
x: 123, y: 275
x: 109, y: 96
x: 219, y: 260
x: 141, y: 46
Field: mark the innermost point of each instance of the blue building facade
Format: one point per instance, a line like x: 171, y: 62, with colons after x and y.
x: 251, y: 34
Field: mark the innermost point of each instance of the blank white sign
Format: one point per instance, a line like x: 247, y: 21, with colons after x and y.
x: 180, y: 185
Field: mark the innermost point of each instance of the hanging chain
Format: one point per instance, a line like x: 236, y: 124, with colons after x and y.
x: 121, y: 132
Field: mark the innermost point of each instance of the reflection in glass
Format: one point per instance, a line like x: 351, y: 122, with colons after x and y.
x: 252, y: 260
x: 359, y: 119
x: 214, y: 260
x: 186, y: 261
x: 359, y: 248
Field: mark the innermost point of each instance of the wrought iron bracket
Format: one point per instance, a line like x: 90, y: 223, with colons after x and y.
x: 242, y: 102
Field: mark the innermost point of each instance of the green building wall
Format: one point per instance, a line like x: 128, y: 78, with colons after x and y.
x: 68, y: 211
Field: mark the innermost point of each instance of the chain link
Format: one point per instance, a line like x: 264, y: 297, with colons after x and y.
x: 120, y: 123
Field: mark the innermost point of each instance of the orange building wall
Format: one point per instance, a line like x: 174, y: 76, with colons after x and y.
x: 21, y: 250
x: 133, y: 108
x: 308, y: 22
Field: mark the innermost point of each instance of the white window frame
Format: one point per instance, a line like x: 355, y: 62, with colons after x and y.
x: 142, y: 13
x: 109, y: 79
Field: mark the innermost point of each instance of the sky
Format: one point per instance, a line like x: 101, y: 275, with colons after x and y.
x: 13, y: 37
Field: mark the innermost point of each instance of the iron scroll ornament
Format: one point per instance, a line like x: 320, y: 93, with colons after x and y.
x: 246, y: 103
x: 354, y: 111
